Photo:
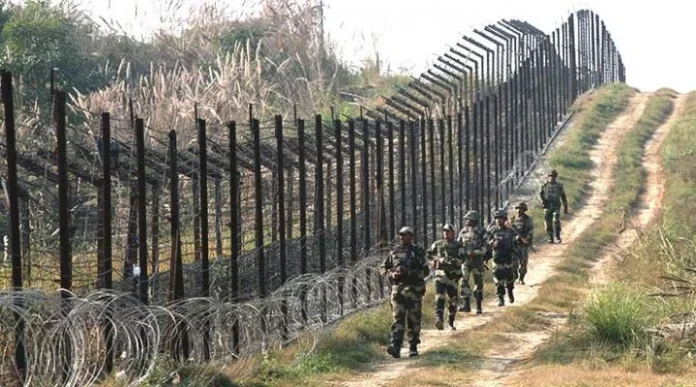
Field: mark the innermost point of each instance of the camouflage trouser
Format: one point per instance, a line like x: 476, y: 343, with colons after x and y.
x: 552, y: 219
x: 523, y: 258
x: 504, y: 277
x: 407, y: 313
x: 445, y: 288
x: 477, y: 272
x: 515, y: 268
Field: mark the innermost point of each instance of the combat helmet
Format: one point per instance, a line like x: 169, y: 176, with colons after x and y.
x: 522, y: 206
x: 406, y: 230
x: 553, y: 173
x: 500, y: 214
x: 472, y: 215
x: 447, y: 227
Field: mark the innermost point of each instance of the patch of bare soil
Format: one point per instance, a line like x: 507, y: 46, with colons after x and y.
x: 541, y: 267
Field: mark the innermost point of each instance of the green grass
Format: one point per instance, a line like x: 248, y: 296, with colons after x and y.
x: 619, y: 314
x: 679, y: 156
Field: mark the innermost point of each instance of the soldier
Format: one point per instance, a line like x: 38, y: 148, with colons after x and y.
x: 473, y: 239
x: 406, y: 268
x: 446, y: 257
x: 551, y: 195
x: 501, y: 238
x: 524, y: 226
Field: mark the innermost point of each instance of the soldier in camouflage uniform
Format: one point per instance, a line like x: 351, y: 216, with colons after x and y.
x: 551, y: 195
x: 446, y: 257
x: 473, y: 239
x: 406, y: 268
x: 524, y: 225
x: 502, y: 239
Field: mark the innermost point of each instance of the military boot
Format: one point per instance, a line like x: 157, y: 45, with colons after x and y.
x: 394, y: 350
x: 550, y: 237
x: 462, y: 301
x: 558, y: 236
x: 450, y: 321
x: 522, y: 278
x: 511, y: 296
x: 413, y: 350
x: 439, y: 324
x: 467, y: 305
x: 479, y: 300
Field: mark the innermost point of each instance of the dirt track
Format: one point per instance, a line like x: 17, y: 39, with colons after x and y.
x: 542, y: 262
x: 648, y: 210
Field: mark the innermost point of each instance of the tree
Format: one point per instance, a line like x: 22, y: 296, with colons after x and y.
x: 38, y: 37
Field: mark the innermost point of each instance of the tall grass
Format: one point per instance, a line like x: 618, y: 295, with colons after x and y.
x: 619, y: 314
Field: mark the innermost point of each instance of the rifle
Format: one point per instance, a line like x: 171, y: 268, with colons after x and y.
x: 404, y: 269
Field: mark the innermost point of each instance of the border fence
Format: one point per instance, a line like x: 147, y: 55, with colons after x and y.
x: 257, y: 232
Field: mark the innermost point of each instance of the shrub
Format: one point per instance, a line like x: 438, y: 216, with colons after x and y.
x: 619, y: 314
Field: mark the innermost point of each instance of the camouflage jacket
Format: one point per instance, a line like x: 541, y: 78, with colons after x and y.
x: 502, y: 241
x: 450, y: 256
x: 524, y: 226
x: 473, y: 240
x: 552, y: 194
x: 410, y: 262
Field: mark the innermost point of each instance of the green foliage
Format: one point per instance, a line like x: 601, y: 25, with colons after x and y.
x: 679, y: 154
x: 619, y: 314
x: 354, y: 344
x: 40, y: 36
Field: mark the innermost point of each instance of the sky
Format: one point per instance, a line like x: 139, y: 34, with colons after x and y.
x: 650, y: 35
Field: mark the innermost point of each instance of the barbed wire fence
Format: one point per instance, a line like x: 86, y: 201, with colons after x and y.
x: 256, y: 233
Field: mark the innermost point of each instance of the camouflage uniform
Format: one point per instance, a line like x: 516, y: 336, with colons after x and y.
x: 406, y: 267
x: 448, y: 257
x: 502, y: 240
x: 524, y: 226
x: 551, y: 195
x: 473, y: 239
